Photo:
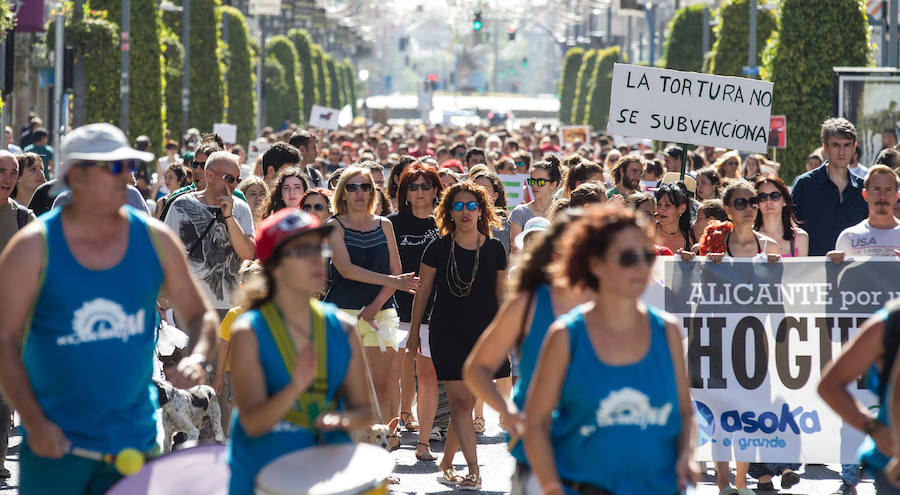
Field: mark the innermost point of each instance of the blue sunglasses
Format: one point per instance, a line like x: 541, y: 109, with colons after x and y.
x: 114, y: 167
x: 458, y: 206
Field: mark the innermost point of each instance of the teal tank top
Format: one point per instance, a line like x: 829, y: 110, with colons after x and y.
x: 90, y: 345
x: 868, y: 453
x: 247, y: 456
x: 528, y: 354
x: 617, y: 427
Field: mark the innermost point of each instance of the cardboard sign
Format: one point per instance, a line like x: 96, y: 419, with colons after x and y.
x: 228, y: 132
x: 324, y: 117
x: 572, y: 133
x: 688, y: 107
x: 778, y: 131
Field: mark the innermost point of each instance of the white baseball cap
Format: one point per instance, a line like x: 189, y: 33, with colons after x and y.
x: 97, y: 142
x: 534, y: 224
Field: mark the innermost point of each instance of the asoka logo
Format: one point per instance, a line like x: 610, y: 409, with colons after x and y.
x: 706, y: 423
x: 102, y: 319
x: 629, y: 407
x: 769, y: 421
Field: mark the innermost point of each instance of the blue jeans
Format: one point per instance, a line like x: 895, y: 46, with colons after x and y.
x: 758, y: 469
x: 850, y: 474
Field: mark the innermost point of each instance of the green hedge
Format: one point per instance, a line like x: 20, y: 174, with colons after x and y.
x: 334, y: 83
x: 323, y: 91
x: 338, y: 76
x: 240, y: 76
x: 275, y: 91
x: 597, y: 103
x: 290, y: 104
x: 732, y: 36
x: 569, y: 77
x: 582, y: 86
x: 303, y: 43
x: 207, y: 87
x: 350, y: 82
x: 799, y: 59
x: 684, y: 44
x: 173, y: 54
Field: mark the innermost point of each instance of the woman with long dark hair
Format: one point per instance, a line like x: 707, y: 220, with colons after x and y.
x: 544, y: 178
x: 520, y: 327
x: 289, y: 186
x: 708, y: 183
x: 465, y: 272
x: 673, y: 227
x: 776, y: 217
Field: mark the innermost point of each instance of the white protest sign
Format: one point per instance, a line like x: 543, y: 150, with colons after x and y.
x: 324, y: 117
x: 688, y: 107
x: 256, y: 148
x: 265, y: 7
x: 514, y: 185
x: 228, y: 132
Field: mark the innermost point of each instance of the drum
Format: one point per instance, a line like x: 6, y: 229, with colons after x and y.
x: 194, y: 471
x: 339, y: 469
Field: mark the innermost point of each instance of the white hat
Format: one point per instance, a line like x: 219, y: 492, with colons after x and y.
x: 535, y: 224
x: 97, y: 142
x: 690, y: 183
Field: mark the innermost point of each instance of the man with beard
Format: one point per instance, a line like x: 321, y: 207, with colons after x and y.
x: 216, y: 229
x: 627, y: 176
x: 879, y: 234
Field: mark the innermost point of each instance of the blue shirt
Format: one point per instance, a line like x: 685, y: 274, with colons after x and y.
x: 868, y: 453
x: 823, y: 211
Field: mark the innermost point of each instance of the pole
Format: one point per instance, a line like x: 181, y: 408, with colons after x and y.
x: 186, y: 71
x: 225, y: 37
x: 651, y: 31
x: 751, y: 47
x: 683, y: 161
x: 78, y: 88
x: 260, y: 108
x: 58, y: 77
x: 495, y: 84
x: 705, y: 32
x: 630, y: 42
x: 126, y: 47
x: 609, y: 36
x: 894, y: 45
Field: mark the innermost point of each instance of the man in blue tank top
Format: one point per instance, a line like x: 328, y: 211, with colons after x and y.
x: 82, y: 310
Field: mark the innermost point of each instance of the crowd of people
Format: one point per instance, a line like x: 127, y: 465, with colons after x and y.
x: 342, y: 276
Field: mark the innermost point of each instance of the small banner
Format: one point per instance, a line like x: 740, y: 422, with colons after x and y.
x: 324, y: 117
x: 778, y: 132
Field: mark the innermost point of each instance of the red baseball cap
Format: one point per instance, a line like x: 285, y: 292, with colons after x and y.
x: 283, y: 226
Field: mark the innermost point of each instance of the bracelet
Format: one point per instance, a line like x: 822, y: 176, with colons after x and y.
x: 226, y: 218
x: 549, y: 487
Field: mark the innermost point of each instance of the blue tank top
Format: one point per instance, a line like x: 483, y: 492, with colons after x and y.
x: 247, y: 456
x: 617, y: 427
x: 90, y: 345
x: 868, y: 453
x: 528, y: 353
x: 368, y: 250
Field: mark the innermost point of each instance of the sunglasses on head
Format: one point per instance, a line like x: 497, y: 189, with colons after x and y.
x: 311, y: 207
x: 741, y: 204
x: 631, y: 257
x: 200, y: 165
x: 114, y: 167
x: 415, y: 187
x: 536, y: 182
x: 763, y: 197
x: 352, y: 187
x: 458, y: 206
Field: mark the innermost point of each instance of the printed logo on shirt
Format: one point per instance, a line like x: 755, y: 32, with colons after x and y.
x: 417, y: 240
x: 628, y: 407
x: 102, y: 319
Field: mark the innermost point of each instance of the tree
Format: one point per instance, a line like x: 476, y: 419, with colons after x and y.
x: 729, y: 52
x: 323, y: 94
x: 173, y: 54
x: 275, y: 91
x: 303, y: 43
x: 207, y: 88
x: 290, y: 104
x: 240, y: 76
x: 350, y: 81
x: 334, y: 95
x: 812, y: 37
x: 582, y: 86
x: 601, y: 85
x: 145, y: 68
x: 569, y: 77
x: 684, y: 44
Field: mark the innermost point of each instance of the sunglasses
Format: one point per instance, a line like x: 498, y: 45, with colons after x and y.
x: 631, y: 257
x: 415, y: 187
x: 536, y: 182
x: 521, y: 164
x: 774, y: 196
x: 741, y: 204
x: 317, y: 207
x: 458, y: 206
x: 353, y: 187
x: 307, y: 251
x: 114, y: 167
x: 200, y: 165
x: 230, y: 179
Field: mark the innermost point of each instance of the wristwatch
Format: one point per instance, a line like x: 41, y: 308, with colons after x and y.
x: 871, y: 425
x: 201, y: 360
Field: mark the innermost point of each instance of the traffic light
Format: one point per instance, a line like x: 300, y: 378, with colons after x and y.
x: 476, y: 23
x: 512, y: 33
x: 524, y: 62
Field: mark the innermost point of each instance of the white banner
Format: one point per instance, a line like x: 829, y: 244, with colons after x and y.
x: 688, y: 107
x: 756, y: 339
x: 324, y: 117
x: 265, y: 7
x: 228, y: 132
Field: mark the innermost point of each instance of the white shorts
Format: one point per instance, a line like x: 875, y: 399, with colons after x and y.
x: 424, y: 347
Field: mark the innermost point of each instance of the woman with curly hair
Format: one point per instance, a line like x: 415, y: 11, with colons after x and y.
x: 497, y: 193
x: 708, y: 184
x: 289, y: 186
x: 464, y: 271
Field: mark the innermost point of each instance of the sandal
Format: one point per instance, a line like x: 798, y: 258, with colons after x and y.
x: 428, y: 456
x: 478, y: 424
x: 409, y: 422
x: 448, y: 477
x: 471, y: 482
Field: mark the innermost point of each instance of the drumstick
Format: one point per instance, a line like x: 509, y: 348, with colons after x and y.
x: 513, y: 440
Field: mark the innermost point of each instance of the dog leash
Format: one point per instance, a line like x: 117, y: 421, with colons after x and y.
x: 371, y: 385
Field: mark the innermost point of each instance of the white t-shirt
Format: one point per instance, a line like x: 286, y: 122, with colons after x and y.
x: 864, y: 240
x: 859, y: 171
x: 213, y: 260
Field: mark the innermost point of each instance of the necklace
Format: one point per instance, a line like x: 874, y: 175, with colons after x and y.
x: 459, y: 287
x: 668, y: 233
